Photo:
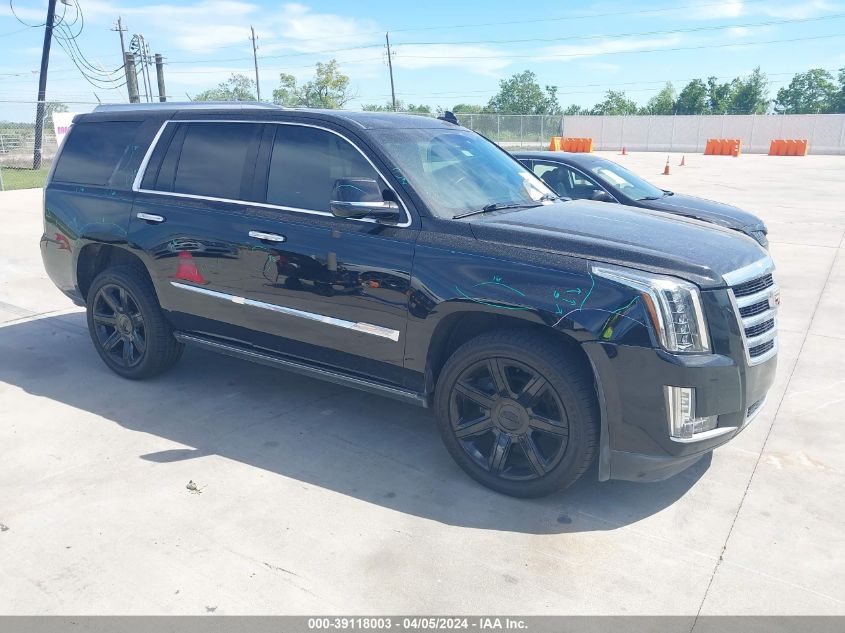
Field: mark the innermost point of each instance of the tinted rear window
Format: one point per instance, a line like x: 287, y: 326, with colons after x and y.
x: 213, y: 158
x: 94, y: 152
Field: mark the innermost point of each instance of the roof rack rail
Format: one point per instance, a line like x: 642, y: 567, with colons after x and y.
x: 188, y: 105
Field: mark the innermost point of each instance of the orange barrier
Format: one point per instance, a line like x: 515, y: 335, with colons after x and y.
x: 789, y: 147
x: 571, y: 144
x: 723, y: 147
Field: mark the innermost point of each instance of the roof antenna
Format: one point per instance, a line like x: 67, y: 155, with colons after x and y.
x: 449, y: 117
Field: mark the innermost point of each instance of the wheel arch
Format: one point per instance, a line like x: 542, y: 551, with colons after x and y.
x: 95, y: 257
x: 458, y: 327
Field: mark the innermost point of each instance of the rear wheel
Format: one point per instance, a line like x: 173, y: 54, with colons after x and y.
x: 127, y: 325
x: 518, y: 413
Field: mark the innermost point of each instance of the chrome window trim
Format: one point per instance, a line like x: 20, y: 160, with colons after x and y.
x: 364, y: 328
x: 139, y: 177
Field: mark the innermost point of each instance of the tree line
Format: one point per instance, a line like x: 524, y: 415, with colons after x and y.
x: 810, y: 92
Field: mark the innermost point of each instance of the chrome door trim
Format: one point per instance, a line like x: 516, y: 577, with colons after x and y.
x: 270, y: 237
x: 139, y: 177
x: 365, y: 328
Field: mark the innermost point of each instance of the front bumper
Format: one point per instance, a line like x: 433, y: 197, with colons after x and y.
x: 635, y: 439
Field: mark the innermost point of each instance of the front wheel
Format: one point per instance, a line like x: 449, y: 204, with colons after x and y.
x: 127, y: 325
x: 517, y: 411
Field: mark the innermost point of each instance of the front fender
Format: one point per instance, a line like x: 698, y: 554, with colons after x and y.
x: 561, y: 294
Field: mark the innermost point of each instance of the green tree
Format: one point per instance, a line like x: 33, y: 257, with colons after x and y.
x: 750, y: 95
x: 576, y: 109
x: 328, y: 89
x: 521, y: 94
x: 663, y: 102
x: 839, y: 99
x: 236, y: 88
x: 468, y: 108
x: 718, y: 96
x: 615, y: 102
x: 807, y: 93
x: 400, y: 107
x: 693, y: 98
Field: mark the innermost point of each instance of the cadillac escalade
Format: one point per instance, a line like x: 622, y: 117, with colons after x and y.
x: 413, y: 258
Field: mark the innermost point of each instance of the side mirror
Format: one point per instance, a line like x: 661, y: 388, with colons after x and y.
x: 362, y: 198
x: 601, y: 195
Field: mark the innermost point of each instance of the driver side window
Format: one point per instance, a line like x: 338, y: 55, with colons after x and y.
x: 305, y: 163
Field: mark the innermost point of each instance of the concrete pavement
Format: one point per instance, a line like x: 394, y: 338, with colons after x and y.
x: 313, y: 498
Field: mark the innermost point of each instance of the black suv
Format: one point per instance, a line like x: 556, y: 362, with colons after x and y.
x: 412, y: 258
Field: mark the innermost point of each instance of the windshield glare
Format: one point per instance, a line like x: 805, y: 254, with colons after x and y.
x: 625, y: 182
x: 456, y: 171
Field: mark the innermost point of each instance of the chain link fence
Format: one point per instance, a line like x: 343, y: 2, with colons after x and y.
x: 825, y: 132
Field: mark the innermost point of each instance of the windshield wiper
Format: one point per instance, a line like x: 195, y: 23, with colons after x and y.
x: 548, y: 197
x: 496, y: 206
x: 649, y: 198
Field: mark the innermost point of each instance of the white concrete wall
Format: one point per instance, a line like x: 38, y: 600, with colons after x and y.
x: 826, y: 132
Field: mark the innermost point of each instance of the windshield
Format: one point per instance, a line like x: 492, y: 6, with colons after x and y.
x: 457, y: 171
x: 625, y: 182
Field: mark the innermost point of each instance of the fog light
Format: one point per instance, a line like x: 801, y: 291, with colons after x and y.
x: 680, y: 406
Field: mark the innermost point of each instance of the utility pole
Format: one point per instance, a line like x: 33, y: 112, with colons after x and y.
x: 162, y: 95
x: 255, y: 59
x: 42, y: 85
x: 119, y: 28
x: 131, y: 77
x: 390, y: 65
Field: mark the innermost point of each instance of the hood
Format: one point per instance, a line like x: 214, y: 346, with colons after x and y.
x: 707, y: 210
x: 613, y: 233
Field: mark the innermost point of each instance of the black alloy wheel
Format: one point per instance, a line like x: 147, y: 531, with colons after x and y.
x: 508, y: 419
x: 517, y: 410
x: 119, y: 325
x: 127, y: 325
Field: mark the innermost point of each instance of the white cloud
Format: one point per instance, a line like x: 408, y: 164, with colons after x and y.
x: 795, y: 10
x: 302, y: 30
x: 729, y: 9
x: 482, y: 60
x: 566, y: 52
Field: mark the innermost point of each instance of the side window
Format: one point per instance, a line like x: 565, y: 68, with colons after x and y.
x: 214, y: 158
x: 555, y: 175
x: 566, y: 181
x: 304, y: 164
x: 94, y: 152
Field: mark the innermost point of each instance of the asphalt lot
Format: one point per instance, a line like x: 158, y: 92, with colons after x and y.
x: 314, y: 498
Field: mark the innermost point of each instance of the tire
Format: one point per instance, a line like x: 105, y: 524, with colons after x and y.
x: 518, y: 413
x: 127, y: 325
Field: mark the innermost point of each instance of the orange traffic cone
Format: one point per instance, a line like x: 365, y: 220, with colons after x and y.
x: 666, y: 168
x: 187, y: 270
x: 624, y: 152
x: 683, y: 161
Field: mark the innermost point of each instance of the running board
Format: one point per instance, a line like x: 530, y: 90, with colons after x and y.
x: 298, y: 367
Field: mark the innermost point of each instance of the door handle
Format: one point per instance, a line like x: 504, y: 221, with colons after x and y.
x: 149, y: 217
x: 267, y: 237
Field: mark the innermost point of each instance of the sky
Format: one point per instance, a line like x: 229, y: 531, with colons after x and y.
x: 443, y: 52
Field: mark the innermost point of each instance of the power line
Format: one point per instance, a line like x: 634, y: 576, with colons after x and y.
x: 609, y: 36
x: 697, y: 29
x: 644, y: 50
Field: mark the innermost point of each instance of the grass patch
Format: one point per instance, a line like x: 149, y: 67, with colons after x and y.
x: 23, y: 178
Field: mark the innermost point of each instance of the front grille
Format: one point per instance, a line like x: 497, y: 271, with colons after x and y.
x: 756, y: 330
x: 754, y: 309
x: 755, y: 300
x: 755, y: 285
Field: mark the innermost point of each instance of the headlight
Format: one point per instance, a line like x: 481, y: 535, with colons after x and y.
x: 673, y: 305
